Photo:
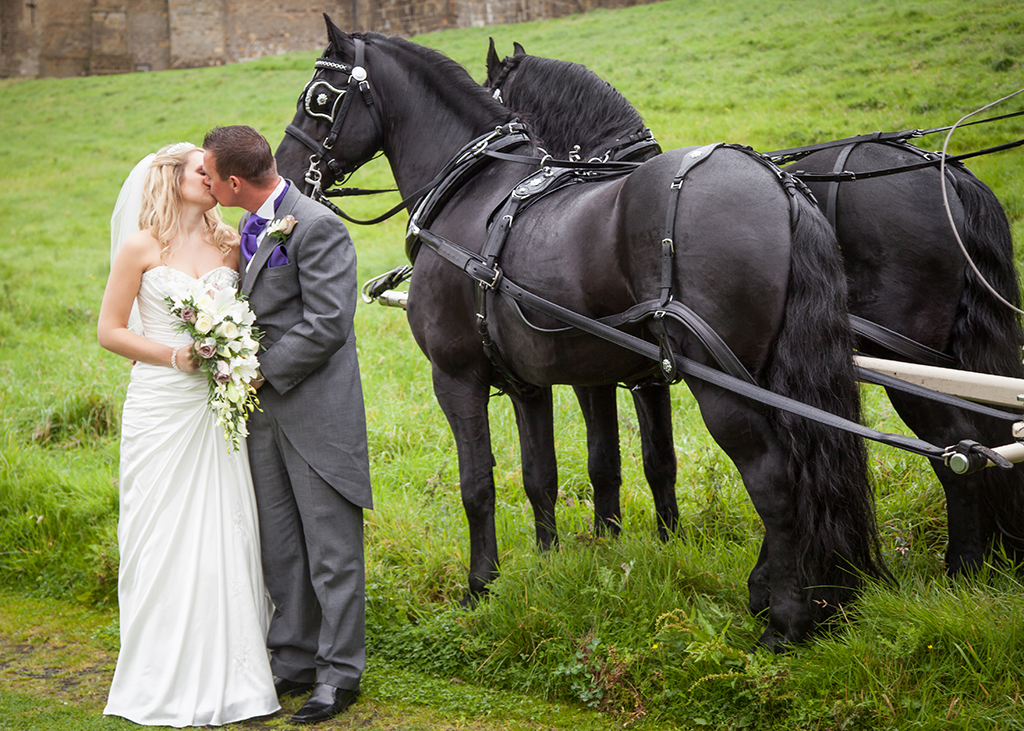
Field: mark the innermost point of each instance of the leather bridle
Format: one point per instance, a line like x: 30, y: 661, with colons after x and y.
x: 322, y: 100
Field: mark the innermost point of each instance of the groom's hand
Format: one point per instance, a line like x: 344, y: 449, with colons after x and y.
x: 258, y: 381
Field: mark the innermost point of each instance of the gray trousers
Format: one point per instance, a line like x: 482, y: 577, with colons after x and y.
x: 313, y: 564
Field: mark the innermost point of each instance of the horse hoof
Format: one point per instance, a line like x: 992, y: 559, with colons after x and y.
x: 772, y: 642
x: 472, y: 598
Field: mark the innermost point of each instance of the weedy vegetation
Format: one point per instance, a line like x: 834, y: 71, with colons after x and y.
x: 643, y: 632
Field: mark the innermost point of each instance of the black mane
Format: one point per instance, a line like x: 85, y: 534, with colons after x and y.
x: 567, y: 104
x: 445, y: 77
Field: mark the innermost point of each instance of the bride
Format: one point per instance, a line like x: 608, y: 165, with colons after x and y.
x: 194, y: 612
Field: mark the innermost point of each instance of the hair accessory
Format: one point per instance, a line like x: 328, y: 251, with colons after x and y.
x: 179, y: 147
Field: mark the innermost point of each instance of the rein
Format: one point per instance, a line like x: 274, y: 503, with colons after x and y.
x: 731, y: 375
x: 935, y: 159
x: 793, y: 154
x: 483, y: 268
x: 475, y: 266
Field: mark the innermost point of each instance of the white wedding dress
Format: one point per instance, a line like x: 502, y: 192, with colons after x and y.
x: 194, y: 611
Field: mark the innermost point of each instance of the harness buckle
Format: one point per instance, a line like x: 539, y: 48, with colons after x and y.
x: 667, y: 360
x: 484, y: 284
x: 313, y: 175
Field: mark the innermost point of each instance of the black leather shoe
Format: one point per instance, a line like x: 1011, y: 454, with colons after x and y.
x: 285, y: 687
x: 325, y: 702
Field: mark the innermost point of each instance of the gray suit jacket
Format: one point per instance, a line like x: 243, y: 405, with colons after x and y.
x: 308, y: 352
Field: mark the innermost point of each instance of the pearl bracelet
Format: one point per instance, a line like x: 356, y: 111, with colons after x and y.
x: 174, y: 358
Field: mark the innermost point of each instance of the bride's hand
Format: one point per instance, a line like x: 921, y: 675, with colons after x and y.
x: 184, y: 359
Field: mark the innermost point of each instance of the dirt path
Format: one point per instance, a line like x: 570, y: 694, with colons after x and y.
x: 57, y: 660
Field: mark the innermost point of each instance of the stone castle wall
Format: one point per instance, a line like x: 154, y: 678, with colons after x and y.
x: 82, y: 37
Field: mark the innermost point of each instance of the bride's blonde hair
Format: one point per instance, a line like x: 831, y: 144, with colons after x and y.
x: 161, y: 200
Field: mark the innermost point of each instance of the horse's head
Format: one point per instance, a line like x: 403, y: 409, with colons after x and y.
x: 372, y: 93
x: 337, y: 125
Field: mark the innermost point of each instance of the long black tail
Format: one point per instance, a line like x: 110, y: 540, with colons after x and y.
x: 812, y: 362
x: 987, y: 338
x: 987, y: 335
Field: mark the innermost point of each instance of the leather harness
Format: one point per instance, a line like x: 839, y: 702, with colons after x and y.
x: 484, y: 269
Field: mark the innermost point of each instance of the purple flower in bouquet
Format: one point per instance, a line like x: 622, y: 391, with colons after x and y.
x: 207, y: 348
x: 222, y: 328
x: 223, y: 372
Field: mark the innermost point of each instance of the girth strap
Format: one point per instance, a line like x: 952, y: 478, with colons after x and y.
x: 532, y: 187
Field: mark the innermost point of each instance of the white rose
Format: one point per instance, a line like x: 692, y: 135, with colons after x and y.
x: 204, y: 323
x: 228, y: 329
x: 283, y: 226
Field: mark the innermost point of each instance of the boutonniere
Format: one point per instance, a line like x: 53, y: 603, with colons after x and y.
x: 281, y: 229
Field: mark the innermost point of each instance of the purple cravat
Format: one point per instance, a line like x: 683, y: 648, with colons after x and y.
x: 251, y: 232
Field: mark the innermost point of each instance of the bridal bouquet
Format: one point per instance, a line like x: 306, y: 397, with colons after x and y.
x: 219, y: 321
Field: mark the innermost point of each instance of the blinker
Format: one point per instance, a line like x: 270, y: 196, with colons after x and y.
x: 322, y: 100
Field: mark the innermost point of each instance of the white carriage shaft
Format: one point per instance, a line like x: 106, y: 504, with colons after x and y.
x: 980, y: 387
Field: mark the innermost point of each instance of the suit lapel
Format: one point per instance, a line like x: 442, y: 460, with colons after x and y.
x: 267, y: 246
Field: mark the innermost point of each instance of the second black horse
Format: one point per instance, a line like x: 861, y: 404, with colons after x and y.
x: 904, y: 269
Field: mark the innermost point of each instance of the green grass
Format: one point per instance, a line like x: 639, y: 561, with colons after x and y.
x: 638, y: 630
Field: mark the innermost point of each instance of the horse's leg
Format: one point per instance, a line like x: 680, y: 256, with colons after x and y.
x: 971, y: 525
x: 654, y: 413
x: 758, y: 583
x: 464, y: 402
x: 747, y: 436
x: 1002, y: 497
x: 604, y: 460
x: 534, y: 417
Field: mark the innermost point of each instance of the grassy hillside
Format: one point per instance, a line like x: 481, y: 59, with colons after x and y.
x: 664, y: 635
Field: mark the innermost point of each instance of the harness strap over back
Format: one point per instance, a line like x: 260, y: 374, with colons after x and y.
x: 691, y: 159
x: 833, y: 186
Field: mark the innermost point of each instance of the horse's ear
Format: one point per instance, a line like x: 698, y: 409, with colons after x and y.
x: 493, y: 62
x: 335, y: 35
x: 518, y: 50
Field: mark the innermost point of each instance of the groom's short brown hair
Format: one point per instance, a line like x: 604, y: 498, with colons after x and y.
x: 241, y: 151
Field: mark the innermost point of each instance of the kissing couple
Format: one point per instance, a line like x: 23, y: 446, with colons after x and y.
x: 242, y: 573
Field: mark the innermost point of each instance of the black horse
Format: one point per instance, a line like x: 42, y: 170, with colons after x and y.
x: 904, y: 270
x: 614, y: 131
x: 758, y: 263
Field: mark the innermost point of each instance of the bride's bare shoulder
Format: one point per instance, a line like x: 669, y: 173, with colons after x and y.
x: 141, y: 250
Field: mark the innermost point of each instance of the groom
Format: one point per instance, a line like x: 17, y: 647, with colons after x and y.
x: 307, y: 447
